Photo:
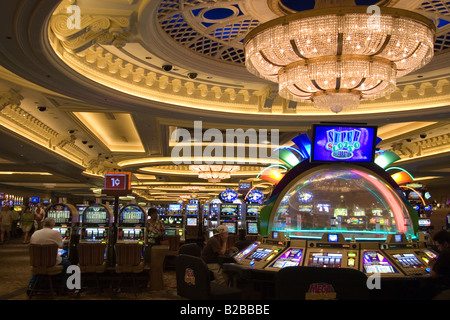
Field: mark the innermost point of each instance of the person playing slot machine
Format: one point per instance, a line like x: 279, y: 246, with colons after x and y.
x: 217, y: 246
x: 439, y: 279
x: 441, y: 267
x: 47, y: 235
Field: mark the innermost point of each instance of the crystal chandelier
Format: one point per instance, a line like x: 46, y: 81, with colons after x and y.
x: 214, y: 173
x: 339, y: 54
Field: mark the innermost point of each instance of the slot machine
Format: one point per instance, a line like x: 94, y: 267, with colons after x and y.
x: 66, y: 221
x: 406, y: 255
x: 292, y: 256
x: 192, y: 221
x: 332, y: 251
x: 374, y: 261
x: 229, y: 216
x: 252, y: 218
x: 173, y: 221
x: 261, y: 253
x: 214, y: 213
x: 131, y: 226
x: 96, y: 223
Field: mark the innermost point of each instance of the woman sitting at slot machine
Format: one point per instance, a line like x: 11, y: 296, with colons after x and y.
x: 155, y: 228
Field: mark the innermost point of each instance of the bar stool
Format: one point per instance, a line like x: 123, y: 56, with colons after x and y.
x: 43, y: 265
x: 129, y: 261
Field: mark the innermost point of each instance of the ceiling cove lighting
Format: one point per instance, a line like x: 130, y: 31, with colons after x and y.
x: 339, y: 53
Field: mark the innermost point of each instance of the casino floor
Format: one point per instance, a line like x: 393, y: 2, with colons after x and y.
x: 15, y: 274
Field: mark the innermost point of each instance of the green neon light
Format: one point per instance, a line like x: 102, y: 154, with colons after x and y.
x: 288, y: 157
x: 386, y: 158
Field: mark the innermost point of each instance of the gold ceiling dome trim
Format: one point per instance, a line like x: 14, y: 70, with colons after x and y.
x: 99, y: 50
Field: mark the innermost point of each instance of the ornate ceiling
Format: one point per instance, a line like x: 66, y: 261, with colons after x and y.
x: 117, y: 86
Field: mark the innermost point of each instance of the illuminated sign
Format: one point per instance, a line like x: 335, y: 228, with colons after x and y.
x: 343, y: 143
x: 116, y: 182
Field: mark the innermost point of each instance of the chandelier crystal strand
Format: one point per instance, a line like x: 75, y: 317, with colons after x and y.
x: 214, y: 173
x: 334, y: 56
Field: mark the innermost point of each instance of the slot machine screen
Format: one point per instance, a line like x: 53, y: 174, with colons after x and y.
x: 191, y: 222
x: 259, y: 254
x: 252, y: 227
x: 93, y: 234
x: 332, y: 237
x: 170, y: 232
x: 96, y: 215
x: 229, y: 209
x: 131, y: 234
x: 131, y: 215
x: 340, y: 212
x: 325, y: 259
x: 61, y: 214
x: 408, y: 260
x: 424, y: 222
x: 35, y: 199
x: 323, y: 207
x: 246, y: 251
x: 252, y: 210
x: 64, y: 231
x: 375, y: 262
x: 231, y: 227
x: 377, y: 212
x: 291, y: 258
x: 174, y: 208
x: 191, y: 208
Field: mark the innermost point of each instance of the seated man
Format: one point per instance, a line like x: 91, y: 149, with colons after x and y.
x: 47, y: 235
x: 441, y: 267
x: 439, y: 279
x: 215, y: 247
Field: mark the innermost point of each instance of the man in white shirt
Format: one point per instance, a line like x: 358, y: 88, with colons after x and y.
x: 47, y: 235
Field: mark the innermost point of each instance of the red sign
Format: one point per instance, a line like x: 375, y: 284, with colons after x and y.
x: 116, y: 181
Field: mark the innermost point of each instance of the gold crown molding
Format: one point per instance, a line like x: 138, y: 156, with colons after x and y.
x: 17, y: 120
x: 423, y: 148
x: 9, y: 98
x: 98, y: 166
x: 103, y: 30
x: 113, y: 72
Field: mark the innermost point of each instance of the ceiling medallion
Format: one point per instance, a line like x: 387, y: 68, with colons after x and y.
x: 337, y: 55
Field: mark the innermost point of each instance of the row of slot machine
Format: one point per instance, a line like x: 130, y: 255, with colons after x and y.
x: 191, y: 220
x: 396, y: 257
x: 93, y: 223
x: 238, y: 217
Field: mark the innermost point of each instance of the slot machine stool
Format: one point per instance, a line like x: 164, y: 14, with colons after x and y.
x: 157, y: 267
x: 42, y: 262
x: 129, y: 261
x: 91, y: 260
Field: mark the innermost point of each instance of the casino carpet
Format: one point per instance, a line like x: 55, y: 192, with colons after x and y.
x: 15, y: 274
